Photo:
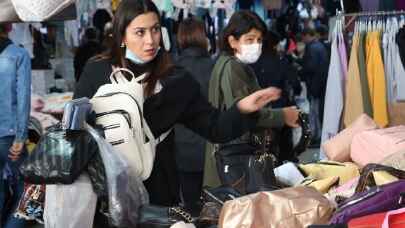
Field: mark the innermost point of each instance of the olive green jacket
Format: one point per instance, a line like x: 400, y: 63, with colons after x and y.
x: 232, y: 80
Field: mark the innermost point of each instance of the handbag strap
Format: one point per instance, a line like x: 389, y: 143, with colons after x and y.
x: 182, y: 213
x: 367, y: 175
x: 390, y: 213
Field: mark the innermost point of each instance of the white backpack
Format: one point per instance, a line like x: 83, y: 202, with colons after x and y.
x: 119, y: 109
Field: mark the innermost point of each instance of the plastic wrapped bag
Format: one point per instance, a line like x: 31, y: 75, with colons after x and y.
x: 59, y: 158
x: 70, y: 206
x: 126, y: 192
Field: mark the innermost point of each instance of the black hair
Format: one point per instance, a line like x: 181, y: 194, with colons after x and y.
x: 241, y: 22
x: 127, y: 11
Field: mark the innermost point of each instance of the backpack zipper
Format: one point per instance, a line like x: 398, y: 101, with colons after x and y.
x: 132, y: 97
x: 121, y: 112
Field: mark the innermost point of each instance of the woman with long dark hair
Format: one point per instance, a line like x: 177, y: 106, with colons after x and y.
x: 136, y: 45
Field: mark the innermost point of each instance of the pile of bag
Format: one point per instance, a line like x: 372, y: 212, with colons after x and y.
x: 362, y: 185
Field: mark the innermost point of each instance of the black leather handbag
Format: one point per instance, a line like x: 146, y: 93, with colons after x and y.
x: 248, y: 166
x: 151, y: 216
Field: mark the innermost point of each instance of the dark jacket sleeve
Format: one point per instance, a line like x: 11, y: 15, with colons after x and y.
x: 181, y: 101
x: 95, y: 74
x: 240, y: 84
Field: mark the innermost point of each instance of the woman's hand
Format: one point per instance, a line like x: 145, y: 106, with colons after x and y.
x: 15, y: 151
x: 258, y: 100
x: 291, y: 115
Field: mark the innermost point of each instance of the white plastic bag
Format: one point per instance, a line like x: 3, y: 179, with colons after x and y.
x: 126, y: 192
x: 70, y: 206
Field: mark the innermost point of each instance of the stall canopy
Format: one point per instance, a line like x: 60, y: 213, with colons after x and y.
x: 63, y: 11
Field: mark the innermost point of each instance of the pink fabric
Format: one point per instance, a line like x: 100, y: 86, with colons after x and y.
x: 46, y: 120
x: 338, y: 147
x: 374, y: 145
x: 350, y: 185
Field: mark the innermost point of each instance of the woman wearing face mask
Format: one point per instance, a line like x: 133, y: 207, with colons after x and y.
x: 232, y: 78
x: 136, y: 45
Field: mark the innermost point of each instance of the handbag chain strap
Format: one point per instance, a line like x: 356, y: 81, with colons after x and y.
x: 183, y: 214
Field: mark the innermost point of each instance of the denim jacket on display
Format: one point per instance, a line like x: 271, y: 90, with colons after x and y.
x: 15, y: 92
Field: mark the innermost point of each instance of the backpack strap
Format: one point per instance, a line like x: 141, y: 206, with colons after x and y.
x: 117, y: 77
x: 164, y: 135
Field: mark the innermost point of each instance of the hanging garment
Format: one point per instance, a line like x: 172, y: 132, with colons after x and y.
x: 272, y: 4
x: 400, y: 4
x: 165, y: 6
x: 370, y: 5
x: 260, y: 10
x: 354, y: 105
x: 389, y: 61
x: 351, y: 6
x: 376, y: 79
x: 21, y: 35
x: 368, y: 109
x: 342, y: 55
x: 400, y: 39
x: 387, y: 5
x: 334, y: 96
x: 399, y: 70
x: 71, y: 33
x: 245, y: 4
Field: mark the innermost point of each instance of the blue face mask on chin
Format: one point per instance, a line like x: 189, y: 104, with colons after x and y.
x: 135, y: 59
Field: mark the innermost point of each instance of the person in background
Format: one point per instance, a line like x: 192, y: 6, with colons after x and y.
x: 108, y: 36
x: 274, y: 70
x: 232, y: 78
x: 89, y: 48
x: 190, y: 147
x: 15, y: 102
x: 315, y: 65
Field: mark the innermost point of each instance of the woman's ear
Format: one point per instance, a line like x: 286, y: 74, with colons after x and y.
x: 233, y: 43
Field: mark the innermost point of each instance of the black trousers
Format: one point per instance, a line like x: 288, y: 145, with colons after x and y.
x: 191, y: 187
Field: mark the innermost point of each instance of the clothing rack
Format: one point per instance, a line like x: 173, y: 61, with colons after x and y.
x: 377, y: 13
x: 354, y: 16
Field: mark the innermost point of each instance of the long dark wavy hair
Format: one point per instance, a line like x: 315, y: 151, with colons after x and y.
x: 126, y: 12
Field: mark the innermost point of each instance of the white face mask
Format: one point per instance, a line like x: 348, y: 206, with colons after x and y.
x: 137, y: 60
x: 250, y: 53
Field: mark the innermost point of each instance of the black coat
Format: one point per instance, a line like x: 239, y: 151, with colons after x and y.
x: 83, y: 54
x: 272, y: 71
x: 190, y: 147
x: 315, y: 68
x: 180, y: 101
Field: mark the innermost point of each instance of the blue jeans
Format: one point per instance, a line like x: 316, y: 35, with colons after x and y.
x: 15, y: 183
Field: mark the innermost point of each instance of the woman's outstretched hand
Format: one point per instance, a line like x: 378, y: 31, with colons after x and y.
x: 258, y: 100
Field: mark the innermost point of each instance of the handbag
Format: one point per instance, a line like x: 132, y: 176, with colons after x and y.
x: 338, y: 147
x: 375, y: 200
x: 391, y: 219
x: 152, y: 216
x: 375, y: 174
x: 40, y: 10
x: 75, y: 114
x: 375, y: 145
x: 59, y: 158
x: 296, y: 207
x: 324, y: 169
x: 245, y: 167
